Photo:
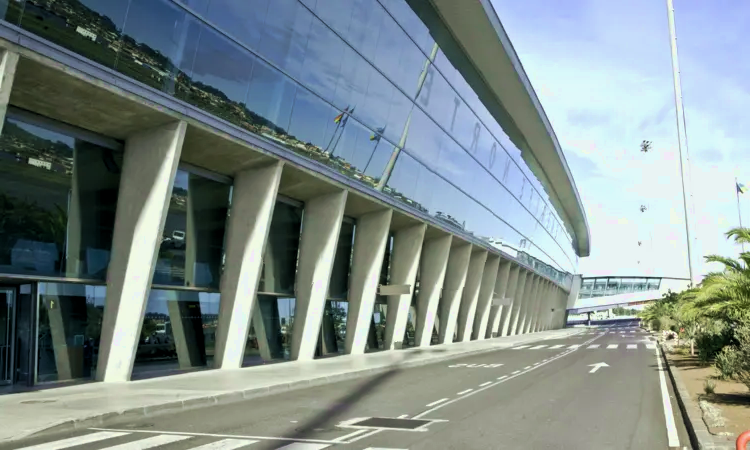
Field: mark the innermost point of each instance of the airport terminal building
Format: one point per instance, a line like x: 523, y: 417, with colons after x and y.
x: 216, y: 184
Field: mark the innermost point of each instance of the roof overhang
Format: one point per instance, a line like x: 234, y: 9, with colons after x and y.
x: 494, y: 71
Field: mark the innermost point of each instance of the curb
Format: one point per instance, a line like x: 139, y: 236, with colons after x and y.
x: 109, y: 418
x: 700, y: 437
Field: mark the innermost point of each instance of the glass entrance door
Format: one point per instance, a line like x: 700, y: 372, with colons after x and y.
x: 7, y: 334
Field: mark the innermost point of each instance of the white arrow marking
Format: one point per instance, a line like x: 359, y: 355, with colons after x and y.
x: 597, y: 366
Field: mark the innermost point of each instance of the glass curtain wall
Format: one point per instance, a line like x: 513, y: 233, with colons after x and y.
x: 336, y: 81
x: 333, y: 326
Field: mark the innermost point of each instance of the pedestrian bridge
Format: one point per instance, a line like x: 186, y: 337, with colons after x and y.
x: 590, y: 294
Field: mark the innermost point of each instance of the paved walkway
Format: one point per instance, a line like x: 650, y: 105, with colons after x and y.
x: 95, y: 404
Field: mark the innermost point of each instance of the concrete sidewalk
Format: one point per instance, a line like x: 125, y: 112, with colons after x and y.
x: 97, y: 404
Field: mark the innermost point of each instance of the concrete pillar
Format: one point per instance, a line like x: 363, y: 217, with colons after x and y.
x: 533, y: 308
x: 549, y: 307
x: 470, y: 297
x: 543, y: 307
x: 487, y: 291
x: 501, y: 289
x: 531, y: 280
x: 253, y: 201
x: 370, y: 240
x: 406, y: 253
x: 321, y: 224
x: 433, y: 265
x: 453, y: 288
x: 148, y: 171
x: 524, y: 278
x: 510, y: 293
x: 8, y: 64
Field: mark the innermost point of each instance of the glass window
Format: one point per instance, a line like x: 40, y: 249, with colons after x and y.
x: 220, y: 77
x: 192, y: 245
x: 313, y: 122
x: 91, y: 29
x: 368, y: 17
x: 399, y: 58
x: 285, y: 34
x: 270, y: 99
x: 384, y: 107
x: 332, y: 338
x: 320, y: 71
x: 282, y: 247
x: 337, y: 14
x: 178, y: 333
x: 270, y: 335
x: 242, y: 19
x: 354, y: 78
x: 70, y: 326
x: 406, y: 17
x: 338, y: 287
x: 198, y: 6
x: 358, y: 152
x: 58, y: 196
x: 158, y: 36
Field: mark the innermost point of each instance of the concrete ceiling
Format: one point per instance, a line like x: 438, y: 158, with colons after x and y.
x: 493, y: 70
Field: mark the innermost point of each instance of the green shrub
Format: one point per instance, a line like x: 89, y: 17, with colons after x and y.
x: 734, y: 361
x: 727, y: 362
x: 656, y: 324
x: 710, y: 343
x: 709, y: 386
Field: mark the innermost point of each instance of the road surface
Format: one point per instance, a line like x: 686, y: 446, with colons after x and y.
x: 599, y: 389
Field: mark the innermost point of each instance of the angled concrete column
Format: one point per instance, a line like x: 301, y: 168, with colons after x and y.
x: 530, y: 304
x: 321, y: 224
x: 531, y: 280
x: 470, y: 296
x: 8, y: 63
x: 541, y: 306
x: 453, y: 288
x: 433, y: 265
x: 510, y: 293
x: 253, y: 200
x: 501, y: 289
x: 533, y: 311
x: 552, y: 305
x: 407, y: 250
x: 524, y: 276
x: 370, y: 239
x: 487, y: 290
x: 149, y: 166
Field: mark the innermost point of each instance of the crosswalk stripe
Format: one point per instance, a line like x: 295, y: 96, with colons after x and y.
x: 593, y: 346
x: 611, y: 346
x: 303, y: 446
x: 574, y: 346
x: 632, y: 346
x: 155, y: 441
x: 383, y: 448
x: 226, y: 444
x: 651, y: 346
x: 520, y: 347
x: 76, y: 441
x: 557, y: 346
x: 538, y: 347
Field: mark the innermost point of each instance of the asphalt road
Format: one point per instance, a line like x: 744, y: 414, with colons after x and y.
x: 553, y: 394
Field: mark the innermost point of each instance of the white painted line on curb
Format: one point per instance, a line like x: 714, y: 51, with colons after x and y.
x: 674, y: 440
x: 485, y: 384
x: 537, y: 347
x: 465, y: 392
x: 437, y: 402
x: 78, y: 440
x: 520, y: 347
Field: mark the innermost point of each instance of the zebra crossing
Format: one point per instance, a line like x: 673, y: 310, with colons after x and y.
x: 650, y: 346
x: 125, y: 440
x: 623, y: 332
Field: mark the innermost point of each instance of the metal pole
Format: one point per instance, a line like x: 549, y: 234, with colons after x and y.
x: 739, y: 211
x: 397, y: 150
x: 680, y: 112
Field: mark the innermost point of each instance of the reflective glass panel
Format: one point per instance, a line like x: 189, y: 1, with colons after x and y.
x: 282, y: 247
x: 270, y: 335
x: 339, y: 285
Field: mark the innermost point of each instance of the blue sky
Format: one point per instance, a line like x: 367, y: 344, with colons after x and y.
x: 602, y: 70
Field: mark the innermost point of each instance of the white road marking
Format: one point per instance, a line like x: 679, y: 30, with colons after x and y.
x: 504, y: 376
x: 436, y: 402
x: 632, y: 331
x: 383, y: 448
x: 465, y: 392
x: 597, y: 366
x: 155, y: 441
x: 611, y: 346
x: 673, y: 439
x: 76, y: 441
x: 632, y: 346
x: 216, y: 435
x: 402, y: 416
x: 593, y: 346
x: 485, y: 384
x: 574, y: 347
x: 536, y: 347
x: 519, y: 347
x: 225, y: 444
x: 557, y: 346
x: 651, y: 346
x: 517, y: 371
x: 536, y: 363
x: 527, y: 368
x: 303, y: 446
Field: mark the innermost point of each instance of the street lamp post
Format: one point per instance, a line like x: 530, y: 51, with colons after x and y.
x: 681, y: 131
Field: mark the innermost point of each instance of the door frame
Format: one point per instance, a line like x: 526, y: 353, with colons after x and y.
x: 10, y: 334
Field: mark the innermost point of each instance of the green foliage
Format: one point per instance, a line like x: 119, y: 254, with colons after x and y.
x: 709, y: 344
x: 655, y: 324
x: 709, y: 386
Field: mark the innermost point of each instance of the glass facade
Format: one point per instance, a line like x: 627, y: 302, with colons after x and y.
x: 270, y: 335
x: 603, y: 286
x: 346, y: 83
x: 58, y: 196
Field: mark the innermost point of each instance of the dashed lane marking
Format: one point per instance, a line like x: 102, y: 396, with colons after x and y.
x: 465, y: 392
x: 437, y: 402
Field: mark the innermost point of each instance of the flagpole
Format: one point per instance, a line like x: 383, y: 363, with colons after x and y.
x: 681, y: 132
x: 739, y: 211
